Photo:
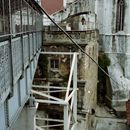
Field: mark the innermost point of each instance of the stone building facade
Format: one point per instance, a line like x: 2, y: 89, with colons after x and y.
x: 78, y: 14
x: 113, y: 25
x: 58, y: 69
x: 79, y: 19
x: 111, y: 19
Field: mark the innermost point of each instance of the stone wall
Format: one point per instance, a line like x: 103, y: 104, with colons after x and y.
x: 81, y: 37
x: 116, y: 46
x: 87, y: 70
x: 90, y: 76
x: 73, y: 8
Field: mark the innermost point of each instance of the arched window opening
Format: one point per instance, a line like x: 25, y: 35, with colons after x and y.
x: 83, y: 21
x: 120, y: 15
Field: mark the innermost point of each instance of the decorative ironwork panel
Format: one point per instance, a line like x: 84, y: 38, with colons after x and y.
x: 37, y: 45
x: 31, y: 46
x: 17, y: 58
x: 34, y: 42
x: 39, y: 39
x: 4, y: 68
x: 25, y: 50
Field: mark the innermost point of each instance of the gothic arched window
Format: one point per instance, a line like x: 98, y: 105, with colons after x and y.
x: 120, y: 15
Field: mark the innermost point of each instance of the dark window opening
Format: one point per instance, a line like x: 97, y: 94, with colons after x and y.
x: 83, y: 21
x: 54, y: 63
x: 120, y: 15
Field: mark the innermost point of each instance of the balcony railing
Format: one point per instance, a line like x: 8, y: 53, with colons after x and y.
x: 81, y: 37
x: 15, y: 56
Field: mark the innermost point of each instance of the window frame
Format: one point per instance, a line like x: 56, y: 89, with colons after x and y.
x: 120, y: 15
x: 53, y: 64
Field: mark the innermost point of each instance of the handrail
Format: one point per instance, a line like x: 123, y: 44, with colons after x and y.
x: 14, y: 34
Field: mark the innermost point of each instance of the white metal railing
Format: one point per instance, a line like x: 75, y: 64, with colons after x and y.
x: 69, y: 103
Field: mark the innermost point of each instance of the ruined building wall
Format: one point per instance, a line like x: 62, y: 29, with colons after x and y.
x: 73, y: 8
x: 87, y: 70
x: 116, y: 45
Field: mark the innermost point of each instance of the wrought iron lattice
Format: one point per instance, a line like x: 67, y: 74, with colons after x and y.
x: 4, y: 68
x: 16, y: 58
x: 31, y: 46
x: 34, y: 42
x: 25, y: 49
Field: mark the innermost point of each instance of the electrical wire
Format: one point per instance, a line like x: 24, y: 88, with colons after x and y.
x: 45, y: 12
